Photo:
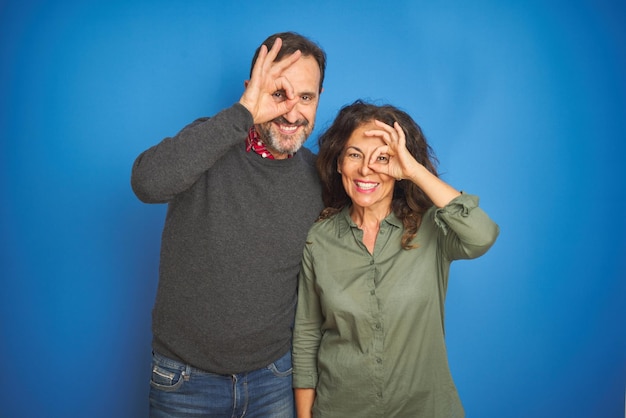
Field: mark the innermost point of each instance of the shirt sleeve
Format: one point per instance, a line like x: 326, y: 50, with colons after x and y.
x: 175, y: 164
x: 307, y: 329
x: 466, y: 231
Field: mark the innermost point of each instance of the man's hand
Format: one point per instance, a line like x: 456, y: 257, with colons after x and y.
x: 268, y: 94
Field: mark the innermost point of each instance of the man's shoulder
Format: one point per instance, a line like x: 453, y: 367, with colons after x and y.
x: 307, y: 155
x: 198, y: 121
x: 227, y: 115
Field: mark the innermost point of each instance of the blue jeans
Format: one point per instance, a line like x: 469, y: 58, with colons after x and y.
x: 179, y: 390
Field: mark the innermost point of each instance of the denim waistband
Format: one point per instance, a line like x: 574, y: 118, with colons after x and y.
x: 179, y: 365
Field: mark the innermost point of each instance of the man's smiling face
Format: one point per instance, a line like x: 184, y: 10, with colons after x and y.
x: 286, y: 134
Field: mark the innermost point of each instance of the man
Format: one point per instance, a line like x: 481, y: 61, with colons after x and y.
x: 241, y: 196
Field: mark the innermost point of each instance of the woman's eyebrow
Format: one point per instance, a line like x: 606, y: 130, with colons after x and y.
x: 356, y: 148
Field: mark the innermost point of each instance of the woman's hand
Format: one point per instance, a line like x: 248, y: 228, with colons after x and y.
x: 393, y: 159
x: 304, y: 398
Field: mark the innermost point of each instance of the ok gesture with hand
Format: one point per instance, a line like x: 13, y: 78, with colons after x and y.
x: 401, y: 164
x: 268, y: 93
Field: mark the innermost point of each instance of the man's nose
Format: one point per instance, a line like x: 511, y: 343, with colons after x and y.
x: 293, y: 115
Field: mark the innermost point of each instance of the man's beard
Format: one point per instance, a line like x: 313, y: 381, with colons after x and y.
x: 281, y: 143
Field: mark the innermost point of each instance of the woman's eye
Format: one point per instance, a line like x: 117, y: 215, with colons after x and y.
x: 383, y: 159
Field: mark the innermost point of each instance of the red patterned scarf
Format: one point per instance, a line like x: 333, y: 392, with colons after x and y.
x: 253, y: 142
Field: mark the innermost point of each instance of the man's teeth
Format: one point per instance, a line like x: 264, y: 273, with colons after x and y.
x: 288, y: 128
x: 366, y: 186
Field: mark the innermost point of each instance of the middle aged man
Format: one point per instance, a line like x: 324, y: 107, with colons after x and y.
x: 242, y: 195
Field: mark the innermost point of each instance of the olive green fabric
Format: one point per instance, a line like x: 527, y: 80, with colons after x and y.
x: 369, y: 329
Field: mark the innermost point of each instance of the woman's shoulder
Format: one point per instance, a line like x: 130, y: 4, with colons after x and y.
x: 329, y: 222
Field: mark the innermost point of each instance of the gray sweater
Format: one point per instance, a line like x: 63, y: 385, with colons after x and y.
x: 231, y: 245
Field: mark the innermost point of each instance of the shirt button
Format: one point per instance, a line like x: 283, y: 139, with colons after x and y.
x: 377, y: 326
x: 379, y: 360
x: 371, y: 262
x: 372, y: 292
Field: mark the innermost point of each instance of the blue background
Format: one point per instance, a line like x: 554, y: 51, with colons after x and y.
x: 524, y: 102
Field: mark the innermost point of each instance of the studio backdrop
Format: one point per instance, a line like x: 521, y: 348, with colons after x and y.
x: 523, y: 102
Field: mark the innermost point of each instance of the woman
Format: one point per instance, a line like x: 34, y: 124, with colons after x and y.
x: 369, y: 330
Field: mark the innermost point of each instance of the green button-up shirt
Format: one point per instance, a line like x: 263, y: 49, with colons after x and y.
x: 369, y: 330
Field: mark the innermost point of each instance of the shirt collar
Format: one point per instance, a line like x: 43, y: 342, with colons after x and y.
x: 254, y: 143
x: 345, y: 222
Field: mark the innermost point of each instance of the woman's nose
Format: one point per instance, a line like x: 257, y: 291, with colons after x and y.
x: 365, y: 169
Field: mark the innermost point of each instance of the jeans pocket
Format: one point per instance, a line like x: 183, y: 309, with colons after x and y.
x: 282, y: 367
x: 166, y: 378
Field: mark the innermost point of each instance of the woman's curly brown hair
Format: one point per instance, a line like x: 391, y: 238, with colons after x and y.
x: 409, y: 202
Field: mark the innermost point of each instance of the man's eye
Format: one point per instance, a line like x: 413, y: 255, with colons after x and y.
x: 279, y: 94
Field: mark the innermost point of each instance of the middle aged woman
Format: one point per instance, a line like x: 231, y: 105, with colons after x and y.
x: 369, y: 329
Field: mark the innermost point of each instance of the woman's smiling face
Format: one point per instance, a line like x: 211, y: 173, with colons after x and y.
x: 365, y: 187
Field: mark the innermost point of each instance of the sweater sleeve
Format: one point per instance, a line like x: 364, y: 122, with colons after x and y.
x: 173, y: 165
x: 307, y: 329
x: 466, y: 231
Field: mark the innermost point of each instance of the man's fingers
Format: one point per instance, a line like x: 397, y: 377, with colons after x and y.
x: 286, y: 106
x: 284, y: 63
x: 269, y: 93
x: 282, y: 84
x: 260, y: 61
x: 273, y: 53
x: 279, y: 67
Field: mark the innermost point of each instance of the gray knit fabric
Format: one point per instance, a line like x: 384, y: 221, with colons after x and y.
x: 231, y: 246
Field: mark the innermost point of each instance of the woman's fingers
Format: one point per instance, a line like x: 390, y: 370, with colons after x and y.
x: 390, y: 134
x: 393, y: 158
